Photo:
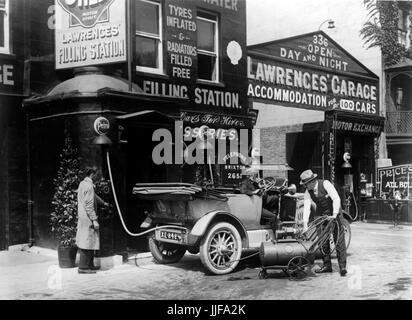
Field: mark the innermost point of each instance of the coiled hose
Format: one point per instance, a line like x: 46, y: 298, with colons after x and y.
x: 319, y: 231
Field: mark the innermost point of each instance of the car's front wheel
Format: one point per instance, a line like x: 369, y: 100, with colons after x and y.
x: 166, y: 253
x: 221, y: 248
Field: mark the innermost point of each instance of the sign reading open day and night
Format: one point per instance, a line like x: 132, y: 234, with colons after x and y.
x: 90, y: 32
x: 312, y: 72
x: 390, y: 179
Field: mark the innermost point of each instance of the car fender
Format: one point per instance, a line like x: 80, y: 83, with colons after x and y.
x: 203, y: 223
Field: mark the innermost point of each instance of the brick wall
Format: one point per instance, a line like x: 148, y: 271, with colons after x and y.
x: 273, y: 147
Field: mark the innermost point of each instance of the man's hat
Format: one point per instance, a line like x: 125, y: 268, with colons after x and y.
x: 307, y: 176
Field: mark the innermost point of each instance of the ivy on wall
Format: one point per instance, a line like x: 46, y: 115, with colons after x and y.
x: 381, y: 30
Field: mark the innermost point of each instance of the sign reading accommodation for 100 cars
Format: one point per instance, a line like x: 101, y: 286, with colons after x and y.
x: 90, y: 32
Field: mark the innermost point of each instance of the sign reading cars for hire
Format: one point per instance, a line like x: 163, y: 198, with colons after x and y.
x: 90, y: 32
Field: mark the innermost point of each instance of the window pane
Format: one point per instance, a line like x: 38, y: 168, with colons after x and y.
x: 1, y: 28
x: 146, y: 52
x: 206, y: 67
x: 205, y: 35
x: 402, y: 19
x: 147, y: 17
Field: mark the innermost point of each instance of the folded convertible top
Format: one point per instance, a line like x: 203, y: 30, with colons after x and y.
x: 176, y: 192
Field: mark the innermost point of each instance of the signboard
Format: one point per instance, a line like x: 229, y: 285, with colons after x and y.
x: 11, y: 77
x: 391, y: 179
x: 356, y: 127
x: 232, y: 173
x: 181, y: 43
x: 181, y: 79
x: 311, y: 72
x: 315, y: 50
x: 90, y: 32
x: 101, y: 125
x: 280, y: 83
x: 214, y: 120
x: 253, y: 113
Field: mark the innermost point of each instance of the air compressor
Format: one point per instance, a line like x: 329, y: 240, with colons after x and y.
x: 290, y: 255
x: 296, y: 256
x: 280, y: 252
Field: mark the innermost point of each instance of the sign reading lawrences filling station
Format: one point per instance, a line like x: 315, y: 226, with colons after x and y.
x: 90, y: 32
x: 311, y: 72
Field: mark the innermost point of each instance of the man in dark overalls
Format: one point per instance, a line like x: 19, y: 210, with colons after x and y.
x: 327, y: 200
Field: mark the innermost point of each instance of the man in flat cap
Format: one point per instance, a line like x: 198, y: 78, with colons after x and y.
x: 327, y: 200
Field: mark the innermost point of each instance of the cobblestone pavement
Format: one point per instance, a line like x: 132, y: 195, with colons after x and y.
x: 379, y: 264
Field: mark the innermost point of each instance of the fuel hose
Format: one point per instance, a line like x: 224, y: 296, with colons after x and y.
x: 356, y: 209
x: 120, y: 213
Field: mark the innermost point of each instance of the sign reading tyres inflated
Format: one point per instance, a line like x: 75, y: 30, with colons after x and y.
x: 90, y: 32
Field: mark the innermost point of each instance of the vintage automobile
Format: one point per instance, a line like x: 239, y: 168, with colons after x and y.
x: 221, y: 225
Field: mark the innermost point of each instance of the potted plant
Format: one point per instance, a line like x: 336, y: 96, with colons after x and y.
x: 63, y: 219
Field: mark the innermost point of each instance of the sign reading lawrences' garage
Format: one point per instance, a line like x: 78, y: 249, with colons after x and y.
x: 311, y: 72
x: 90, y: 32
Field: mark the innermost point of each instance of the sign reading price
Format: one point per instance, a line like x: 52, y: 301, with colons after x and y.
x: 396, y: 178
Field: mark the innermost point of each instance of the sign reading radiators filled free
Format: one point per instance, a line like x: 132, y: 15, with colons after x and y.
x: 90, y: 32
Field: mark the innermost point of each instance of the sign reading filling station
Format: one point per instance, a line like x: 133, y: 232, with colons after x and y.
x: 90, y: 32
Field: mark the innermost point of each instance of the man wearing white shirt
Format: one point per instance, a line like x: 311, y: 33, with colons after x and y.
x: 327, y: 201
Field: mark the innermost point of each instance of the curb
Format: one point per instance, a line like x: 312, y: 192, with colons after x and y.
x: 144, y: 258
x: 107, y: 263
x: 25, y: 247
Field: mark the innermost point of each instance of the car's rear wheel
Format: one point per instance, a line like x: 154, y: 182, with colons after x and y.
x: 166, y: 253
x: 221, y: 248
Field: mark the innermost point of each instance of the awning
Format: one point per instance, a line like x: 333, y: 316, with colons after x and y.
x: 405, y: 64
x: 402, y: 68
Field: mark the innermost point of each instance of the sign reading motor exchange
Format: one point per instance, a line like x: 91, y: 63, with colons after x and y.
x: 313, y: 73
x: 353, y: 126
x: 90, y: 32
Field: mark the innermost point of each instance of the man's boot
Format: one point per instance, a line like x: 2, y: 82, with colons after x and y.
x: 327, y: 265
x: 342, y: 268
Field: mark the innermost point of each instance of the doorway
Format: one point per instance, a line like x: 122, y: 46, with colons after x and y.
x: 303, y: 151
x: 136, y: 148
x: 361, y: 149
x: 139, y: 168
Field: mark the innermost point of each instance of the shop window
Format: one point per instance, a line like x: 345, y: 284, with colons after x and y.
x: 403, y: 26
x: 148, y: 48
x: 4, y: 26
x: 207, y: 47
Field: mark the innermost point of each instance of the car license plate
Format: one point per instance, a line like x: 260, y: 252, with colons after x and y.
x: 170, y: 236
